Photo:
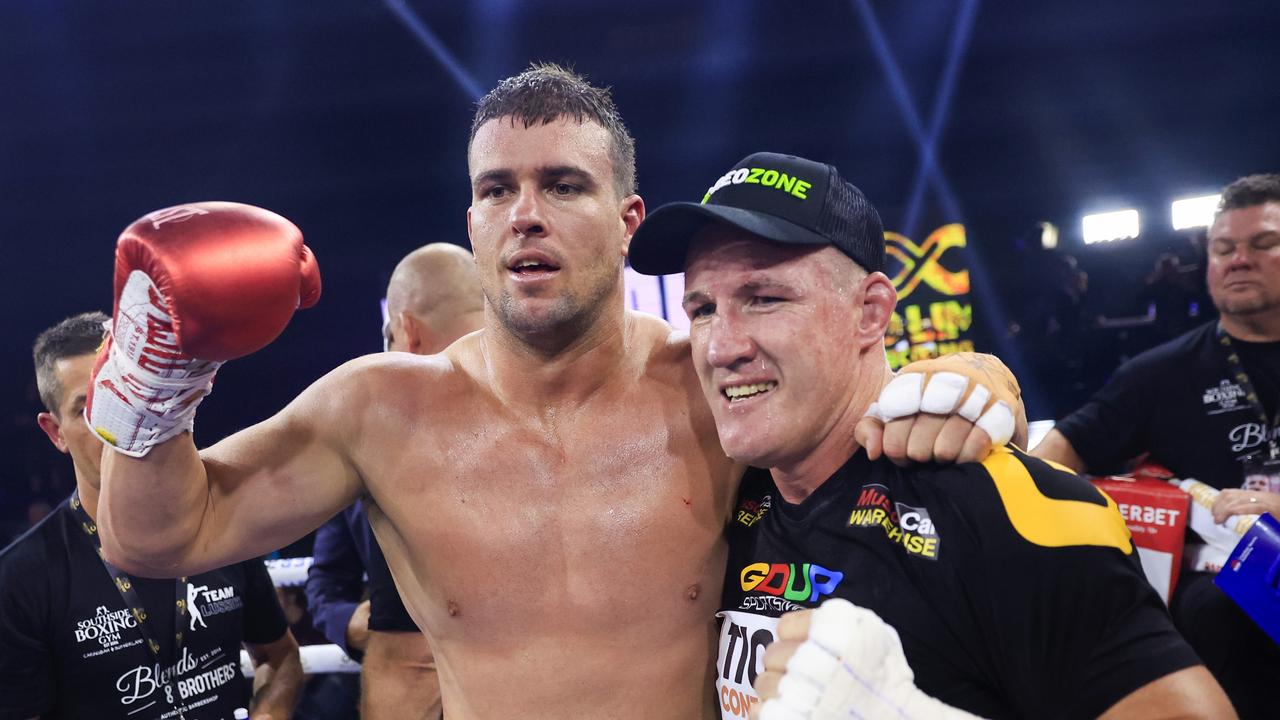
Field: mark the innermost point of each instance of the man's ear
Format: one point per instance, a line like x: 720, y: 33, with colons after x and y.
x: 876, y: 299
x: 418, y: 337
x: 51, y: 426
x: 632, y: 216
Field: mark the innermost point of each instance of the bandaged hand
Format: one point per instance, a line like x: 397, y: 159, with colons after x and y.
x: 955, y: 408
x: 841, y: 661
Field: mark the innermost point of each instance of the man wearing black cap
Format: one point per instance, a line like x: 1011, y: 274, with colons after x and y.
x: 1013, y: 586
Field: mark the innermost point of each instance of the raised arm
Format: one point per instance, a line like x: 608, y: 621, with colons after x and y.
x: 177, y: 511
x: 197, y: 285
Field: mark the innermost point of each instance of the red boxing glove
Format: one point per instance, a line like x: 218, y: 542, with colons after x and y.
x: 195, y: 285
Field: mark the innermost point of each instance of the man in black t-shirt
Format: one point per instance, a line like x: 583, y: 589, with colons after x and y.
x: 1014, y: 586
x: 1204, y: 405
x: 76, y: 635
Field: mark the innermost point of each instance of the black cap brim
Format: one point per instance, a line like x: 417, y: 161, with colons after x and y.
x: 661, y: 243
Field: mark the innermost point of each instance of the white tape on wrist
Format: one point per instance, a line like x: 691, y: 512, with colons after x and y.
x: 146, y: 391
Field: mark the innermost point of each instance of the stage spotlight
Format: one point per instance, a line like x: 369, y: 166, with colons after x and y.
x: 1103, y: 227
x: 1194, y: 212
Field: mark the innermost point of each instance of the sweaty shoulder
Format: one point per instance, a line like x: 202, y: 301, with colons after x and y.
x: 397, y: 367
x: 395, y: 372
x: 1044, y: 504
x: 367, y: 393
x: 665, y: 348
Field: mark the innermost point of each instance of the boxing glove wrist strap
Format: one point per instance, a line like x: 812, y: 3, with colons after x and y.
x: 145, y: 389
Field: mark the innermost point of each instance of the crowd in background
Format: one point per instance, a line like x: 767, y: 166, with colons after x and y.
x: 1073, y: 318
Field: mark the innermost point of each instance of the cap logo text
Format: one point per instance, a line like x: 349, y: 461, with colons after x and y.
x: 767, y: 177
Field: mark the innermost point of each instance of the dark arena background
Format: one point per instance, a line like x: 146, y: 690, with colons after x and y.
x: 984, y: 132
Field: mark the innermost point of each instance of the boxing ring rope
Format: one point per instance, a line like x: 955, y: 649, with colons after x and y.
x: 292, y: 572
x: 289, y: 572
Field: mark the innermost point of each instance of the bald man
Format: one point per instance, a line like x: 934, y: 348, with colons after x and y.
x: 433, y: 298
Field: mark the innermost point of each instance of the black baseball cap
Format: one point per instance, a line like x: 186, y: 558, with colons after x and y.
x: 782, y: 198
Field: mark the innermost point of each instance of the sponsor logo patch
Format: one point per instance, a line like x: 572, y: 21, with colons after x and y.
x: 105, y: 627
x: 905, y: 525
x: 797, y: 582
x: 1247, y: 436
x: 204, y: 601
x: 750, y: 511
x: 765, y: 177
x: 1226, y: 396
x: 190, y: 683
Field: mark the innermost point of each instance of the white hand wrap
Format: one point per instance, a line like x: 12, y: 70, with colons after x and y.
x: 853, y: 664
x: 907, y: 394
x: 146, y: 390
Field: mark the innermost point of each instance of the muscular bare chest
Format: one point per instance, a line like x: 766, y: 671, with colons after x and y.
x: 505, y: 527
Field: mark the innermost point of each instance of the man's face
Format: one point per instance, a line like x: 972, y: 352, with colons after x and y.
x: 67, y: 429
x: 772, y: 328
x: 547, y: 227
x: 1244, y: 260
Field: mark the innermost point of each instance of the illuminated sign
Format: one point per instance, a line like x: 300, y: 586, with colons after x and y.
x: 932, y: 278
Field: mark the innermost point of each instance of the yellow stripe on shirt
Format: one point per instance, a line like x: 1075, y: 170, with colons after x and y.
x: 1047, y: 522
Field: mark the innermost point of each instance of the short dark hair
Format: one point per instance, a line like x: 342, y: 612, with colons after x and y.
x: 547, y: 92
x: 77, y: 335
x: 1249, y: 191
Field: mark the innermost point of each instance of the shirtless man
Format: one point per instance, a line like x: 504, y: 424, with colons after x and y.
x: 549, y: 493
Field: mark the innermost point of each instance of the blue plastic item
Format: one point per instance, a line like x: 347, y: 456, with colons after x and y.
x: 1251, y: 576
